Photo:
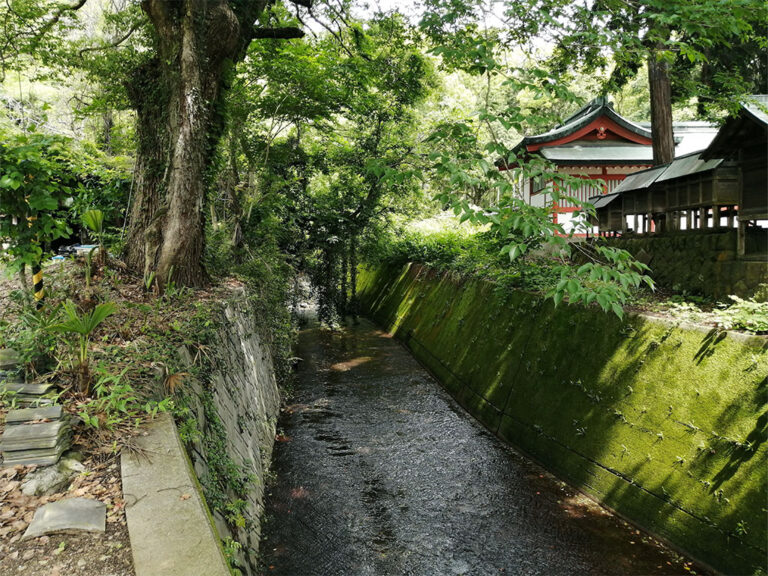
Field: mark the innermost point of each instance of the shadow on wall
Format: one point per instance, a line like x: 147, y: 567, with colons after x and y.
x: 664, y: 424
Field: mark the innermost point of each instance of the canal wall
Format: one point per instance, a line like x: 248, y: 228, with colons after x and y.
x: 702, y: 261
x: 227, y: 423
x: 666, y: 424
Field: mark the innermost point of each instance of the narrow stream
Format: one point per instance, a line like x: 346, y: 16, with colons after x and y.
x: 381, y: 473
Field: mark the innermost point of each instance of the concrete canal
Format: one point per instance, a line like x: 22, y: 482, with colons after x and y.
x: 379, y: 472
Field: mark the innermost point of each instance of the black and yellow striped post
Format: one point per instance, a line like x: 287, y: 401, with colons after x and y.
x: 37, y: 275
x: 37, y: 279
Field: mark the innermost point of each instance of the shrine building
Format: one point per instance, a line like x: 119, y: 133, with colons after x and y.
x: 597, y: 143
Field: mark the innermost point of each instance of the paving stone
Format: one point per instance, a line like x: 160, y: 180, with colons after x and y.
x: 39, y: 430
x: 34, y: 460
x: 8, y: 358
x: 25, y: 388
x: 70, y: 515
x: 29, y: 414
x: 61, y: 445
x: 13, y: 441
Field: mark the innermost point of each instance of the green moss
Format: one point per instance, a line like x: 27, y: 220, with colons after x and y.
x: 665, y: 424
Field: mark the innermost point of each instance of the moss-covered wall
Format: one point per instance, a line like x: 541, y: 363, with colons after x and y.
x: 665, y: 424
x: 701, y: 261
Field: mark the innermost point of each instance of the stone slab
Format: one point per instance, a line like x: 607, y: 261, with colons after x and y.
x: 25, y: 456
x: 8, y: 358
x: 38, y: 430
x: 70, y: 515
x: 30, y: 414
x: 33, y: 401
x: 25, y: 388
x: 36, y: 461
x: 170, y: 530
x: 8, y: 448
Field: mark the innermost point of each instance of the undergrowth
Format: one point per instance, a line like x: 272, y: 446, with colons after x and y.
x: 478, y: 255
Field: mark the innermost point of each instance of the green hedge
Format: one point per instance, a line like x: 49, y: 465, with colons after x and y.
x: 663, y: 423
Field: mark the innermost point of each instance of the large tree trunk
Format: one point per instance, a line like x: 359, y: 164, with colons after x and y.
x: 180, y: 123
x: 148, y: 98
x: 661, y: 110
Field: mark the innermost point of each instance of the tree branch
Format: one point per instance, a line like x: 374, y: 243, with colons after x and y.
x: 286, y: 33
x: 112, y: 44
x: 305, y: 3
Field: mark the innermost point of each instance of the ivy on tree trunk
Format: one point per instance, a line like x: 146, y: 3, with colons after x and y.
x: 178, y: 97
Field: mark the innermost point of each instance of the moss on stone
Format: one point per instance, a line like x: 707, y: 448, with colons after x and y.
x: 666, y: 424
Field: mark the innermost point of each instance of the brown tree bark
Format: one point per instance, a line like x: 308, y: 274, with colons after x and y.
x: 661, y: 110
x: 179, y: 106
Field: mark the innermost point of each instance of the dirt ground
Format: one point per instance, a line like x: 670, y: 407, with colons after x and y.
x: 107, y: 554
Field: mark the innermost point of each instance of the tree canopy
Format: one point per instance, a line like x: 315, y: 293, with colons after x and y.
x: 257, y: 125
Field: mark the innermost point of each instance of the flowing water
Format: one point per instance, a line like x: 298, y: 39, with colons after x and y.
x: 380, y: 472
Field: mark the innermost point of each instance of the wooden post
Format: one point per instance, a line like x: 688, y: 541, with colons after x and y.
x: 703, y: 217
x: 716, y: 217
x: 730, y: 216
x: 741, y: 239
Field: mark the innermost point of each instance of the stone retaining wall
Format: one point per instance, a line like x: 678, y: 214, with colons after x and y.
x: 701, y: 262
x: 235, y: 414
x: 666, y: 424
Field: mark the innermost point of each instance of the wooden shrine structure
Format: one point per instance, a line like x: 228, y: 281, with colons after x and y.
x: 723, y: 186
x: 602, y: 148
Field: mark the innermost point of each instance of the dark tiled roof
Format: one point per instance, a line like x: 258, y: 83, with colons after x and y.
x: 683, y: 166
x: 602, y: 200
x: 596, y: 108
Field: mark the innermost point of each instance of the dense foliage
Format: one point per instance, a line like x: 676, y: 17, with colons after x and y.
x: 310, y: 138
x: 46, y: 183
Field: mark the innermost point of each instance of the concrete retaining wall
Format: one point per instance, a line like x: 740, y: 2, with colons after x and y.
x: 699, y: 261
x: 234, y: 414
x: 663, y: 423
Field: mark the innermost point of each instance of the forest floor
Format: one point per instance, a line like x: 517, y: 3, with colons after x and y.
x: 133, y: 364
x: 81, y: 554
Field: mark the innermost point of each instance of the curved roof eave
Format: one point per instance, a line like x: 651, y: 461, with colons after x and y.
x: 581, y: 122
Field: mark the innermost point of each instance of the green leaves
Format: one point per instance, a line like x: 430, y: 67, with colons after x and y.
x: 94, y: 221
x: 34, y: 186
x: 86, y: 323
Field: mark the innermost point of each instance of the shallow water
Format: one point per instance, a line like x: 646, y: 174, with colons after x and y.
x: 380, y: 472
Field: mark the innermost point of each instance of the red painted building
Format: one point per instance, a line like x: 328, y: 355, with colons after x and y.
x: 596, y: 143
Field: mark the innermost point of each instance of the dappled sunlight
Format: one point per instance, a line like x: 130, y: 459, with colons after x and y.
x: 663, y: 423
x: 350, y: 364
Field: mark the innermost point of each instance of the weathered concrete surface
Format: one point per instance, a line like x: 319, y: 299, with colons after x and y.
x: 69, y: 515
x: 171, y: 532
x: 29, y: 414
x: 379, y: 472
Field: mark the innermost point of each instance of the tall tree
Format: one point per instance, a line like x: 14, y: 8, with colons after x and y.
x: 180, y: 65
x: 178, y: 96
